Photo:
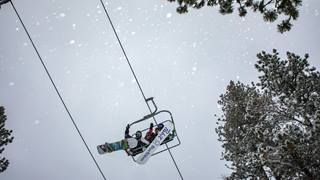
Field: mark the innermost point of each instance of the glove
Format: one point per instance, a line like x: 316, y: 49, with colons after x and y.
x: 151, y: 125
x: 128, y: 126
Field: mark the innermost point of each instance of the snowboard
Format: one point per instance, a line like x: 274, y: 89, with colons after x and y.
x: 111, y: 147
x: 162, y: 135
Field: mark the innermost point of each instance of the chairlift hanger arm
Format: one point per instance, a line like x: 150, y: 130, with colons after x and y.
x: 149, y: 115
x: 154, y: 104
x: 152, y: 115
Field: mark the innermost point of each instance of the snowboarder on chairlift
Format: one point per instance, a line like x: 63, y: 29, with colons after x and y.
x: 131, y: 144
x: 150, y: 135
x: 142, y: 145
x: 137, y: 142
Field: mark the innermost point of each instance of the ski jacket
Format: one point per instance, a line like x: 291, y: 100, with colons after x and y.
x: 132, y: 142
x: 126, y: 133
x: 140, y: 142
x: 150, y: 135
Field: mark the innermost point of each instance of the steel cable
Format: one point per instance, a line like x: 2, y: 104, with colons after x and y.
x: 136, y: 79
x: 57, y: 91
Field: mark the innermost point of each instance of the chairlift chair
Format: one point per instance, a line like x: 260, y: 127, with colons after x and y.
x: 172, y: 136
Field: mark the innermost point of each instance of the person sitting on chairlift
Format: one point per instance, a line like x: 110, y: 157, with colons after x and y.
x: 142, y: 143
x: 135, y: 143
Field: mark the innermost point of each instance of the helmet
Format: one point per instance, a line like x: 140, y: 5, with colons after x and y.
x: 138, y: 134
x: 159, y: 127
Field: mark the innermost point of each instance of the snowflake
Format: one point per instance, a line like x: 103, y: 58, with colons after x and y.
x: 121, y: 84
x: 116, y: 104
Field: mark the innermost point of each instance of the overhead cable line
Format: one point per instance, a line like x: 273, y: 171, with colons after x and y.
x: 136, y: 79
x: 57, y: 91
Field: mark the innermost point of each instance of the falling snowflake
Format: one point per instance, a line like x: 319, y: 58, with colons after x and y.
x: 116, y: 104
x: 62, y: 14
x: 52, y: 50
x: 121, y: 84
x: 71, y: 41
x: 169, y: 15
x: 194, y: 68
x: 11, y: 84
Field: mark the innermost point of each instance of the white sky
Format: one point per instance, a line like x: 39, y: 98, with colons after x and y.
x: 184, y: 61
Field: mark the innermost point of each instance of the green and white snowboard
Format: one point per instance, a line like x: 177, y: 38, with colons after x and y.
x: 111, y: 147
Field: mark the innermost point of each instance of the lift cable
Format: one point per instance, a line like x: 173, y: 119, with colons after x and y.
x: 63, y: 102
x: 136, y: 79
x: 57, y: 91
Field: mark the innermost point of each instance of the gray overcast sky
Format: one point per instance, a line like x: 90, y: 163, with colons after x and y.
x: 184, y: 61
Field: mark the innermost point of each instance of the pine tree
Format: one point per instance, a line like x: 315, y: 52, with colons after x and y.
x: 270, y: 9
x: 272, y: 128
x: 3, y: 2
x: 5, y: 139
